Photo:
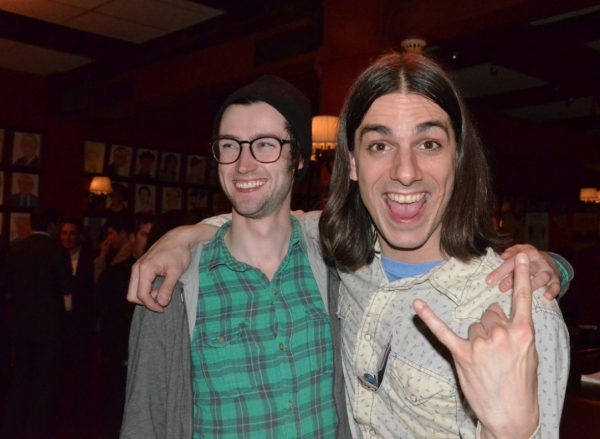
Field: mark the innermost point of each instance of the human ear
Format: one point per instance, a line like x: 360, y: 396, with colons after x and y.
x: 353, y: 173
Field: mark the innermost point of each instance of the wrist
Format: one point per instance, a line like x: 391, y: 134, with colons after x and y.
x: 523, y: 430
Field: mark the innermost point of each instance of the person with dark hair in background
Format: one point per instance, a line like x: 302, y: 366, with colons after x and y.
x: 114, y: 315
x: 169, y: 170
x: 37, y: 272
x: 163, y: 223
x: 80, y: 319
x: 117, y: 246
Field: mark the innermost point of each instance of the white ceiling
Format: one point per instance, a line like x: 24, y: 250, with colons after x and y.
x: 135, y: 21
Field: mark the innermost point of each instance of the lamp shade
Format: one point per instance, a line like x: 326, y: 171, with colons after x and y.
x: 324, y: 129
x: 100, y: 186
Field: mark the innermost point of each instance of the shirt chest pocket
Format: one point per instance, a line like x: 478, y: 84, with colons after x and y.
x: 419, y: 393
x: 317, y: 341
x: 221, y: 356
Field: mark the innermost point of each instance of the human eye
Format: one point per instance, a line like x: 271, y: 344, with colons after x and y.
x: 430, y: 145
x: 266, y: 143
x: 378, y: 147
x: 228, y: 144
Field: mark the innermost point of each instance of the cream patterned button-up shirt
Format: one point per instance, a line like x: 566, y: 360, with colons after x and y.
x: 418, y: 396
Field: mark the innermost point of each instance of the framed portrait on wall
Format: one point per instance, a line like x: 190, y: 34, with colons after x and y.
x: 26, y: 150
x: 117, y: 200
x: 145, y: 198
x: 20, y: 227
x: 24, y: 190
x: 145, y: 165
x: 197, y: 199
x: 119, y: 164
x: 196, y: 169
x: 170, y: 164
x: 94, y: 157
x: 1, y: 188
x: 171, y: 198
x: 1, y: 143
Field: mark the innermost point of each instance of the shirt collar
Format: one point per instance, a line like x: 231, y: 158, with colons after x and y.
x: 219, y: 254
x: 451, y: 278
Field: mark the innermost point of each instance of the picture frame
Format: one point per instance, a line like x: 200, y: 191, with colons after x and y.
x: 197, y: 199
x: 1, y: 144
x: 20, y: 227
x: 120, y: 161
x: 2, y: 181
x: 171, y: 198
x: 196, y: 169
x: 93, y: 161
x: 24, y: 190
x: 145, y: 165
x: 118, y: 200
x: 145, y: 198
x: 26, y: 149
x: 170, y: 166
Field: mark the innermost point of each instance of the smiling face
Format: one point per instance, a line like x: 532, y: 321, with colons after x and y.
x: 404, y: 162
x: 256, y: 190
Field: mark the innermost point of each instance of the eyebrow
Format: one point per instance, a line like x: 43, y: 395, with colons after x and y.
x: 422, y: 127
x: 380, y: 129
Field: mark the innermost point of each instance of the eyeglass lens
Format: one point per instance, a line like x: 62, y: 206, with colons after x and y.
x: 264, y: 149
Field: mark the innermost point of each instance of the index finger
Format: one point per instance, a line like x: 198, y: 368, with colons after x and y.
x: 522, y: 293
x: 505, y: 269
x: 133, y: 284
x: 443, y: 333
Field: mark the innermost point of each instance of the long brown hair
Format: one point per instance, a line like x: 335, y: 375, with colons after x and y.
x: 347, y: 233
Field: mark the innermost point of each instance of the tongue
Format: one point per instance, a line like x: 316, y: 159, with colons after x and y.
x: 405, y: 211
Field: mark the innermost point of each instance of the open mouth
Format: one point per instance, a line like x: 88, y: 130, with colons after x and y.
x: 405, y: 207
x: 251, y: 184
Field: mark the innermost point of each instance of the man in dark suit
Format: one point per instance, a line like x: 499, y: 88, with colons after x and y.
x: 80, y: 319
x: 37, y: 273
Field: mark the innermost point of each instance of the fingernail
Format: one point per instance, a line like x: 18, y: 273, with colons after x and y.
x: 522, y: 258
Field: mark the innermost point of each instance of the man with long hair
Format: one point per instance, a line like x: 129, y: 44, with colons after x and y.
x: 408, y: 222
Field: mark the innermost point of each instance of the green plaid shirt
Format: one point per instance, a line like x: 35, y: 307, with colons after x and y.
x: 262, y: 358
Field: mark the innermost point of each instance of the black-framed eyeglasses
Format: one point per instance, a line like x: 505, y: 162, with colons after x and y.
x: 263, y: 149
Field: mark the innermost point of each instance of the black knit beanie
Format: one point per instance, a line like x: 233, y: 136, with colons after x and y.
x: 286, y: 99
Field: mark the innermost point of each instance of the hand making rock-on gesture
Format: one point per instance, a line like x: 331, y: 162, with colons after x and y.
x: 498, y: 361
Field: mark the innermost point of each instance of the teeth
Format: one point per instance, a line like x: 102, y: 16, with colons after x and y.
x: 248, y: 184
x: 406, y: 199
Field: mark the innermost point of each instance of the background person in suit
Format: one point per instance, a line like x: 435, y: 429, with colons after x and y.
x: 37, y: 273
x: 80, y: 319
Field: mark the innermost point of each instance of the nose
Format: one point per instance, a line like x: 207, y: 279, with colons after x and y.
x: 246, y: 162
x: 405, y: 167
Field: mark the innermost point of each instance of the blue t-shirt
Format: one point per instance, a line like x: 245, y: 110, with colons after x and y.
x: 395, y: 270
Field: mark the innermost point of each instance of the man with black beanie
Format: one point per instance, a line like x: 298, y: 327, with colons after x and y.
x: 247, y: 351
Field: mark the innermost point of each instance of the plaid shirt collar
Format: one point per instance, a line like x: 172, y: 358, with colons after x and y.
x: 219, y: 254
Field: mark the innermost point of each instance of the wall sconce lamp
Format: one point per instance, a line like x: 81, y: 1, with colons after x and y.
x: 100, y: 186
x: 324, y: 139
x: 589, y: 195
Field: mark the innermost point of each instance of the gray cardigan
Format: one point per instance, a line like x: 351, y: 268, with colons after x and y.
x: 158, y: 400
